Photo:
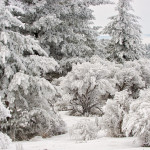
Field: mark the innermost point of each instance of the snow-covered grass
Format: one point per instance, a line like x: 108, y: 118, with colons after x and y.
x: 64, y: 142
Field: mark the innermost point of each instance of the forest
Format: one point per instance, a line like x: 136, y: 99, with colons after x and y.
x: 54, y: 70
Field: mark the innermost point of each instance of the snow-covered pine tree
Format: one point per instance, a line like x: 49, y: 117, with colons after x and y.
x: 63, y: 28
x: 125, y: 32
x: 23, y: 63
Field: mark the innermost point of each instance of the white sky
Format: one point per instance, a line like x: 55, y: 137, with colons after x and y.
x: 141, y: 9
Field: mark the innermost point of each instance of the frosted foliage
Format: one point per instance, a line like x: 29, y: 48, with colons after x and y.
x: 89, y: 85
x: 5, y: 141
x: 137, y: 121
x: 28, y: 84
x: 114, y: 112
x: 7, y: 19
x: 84, y: 130
x: 46, y: 23
x: 125, y: 31
x: 76, y: 49
x: 21, y: 44
x: 42, y: 66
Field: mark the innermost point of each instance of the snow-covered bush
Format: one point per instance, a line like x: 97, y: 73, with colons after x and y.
x: 114, y: 112
x: 133, y: 76
x: 89, y: 86
x: 32, y: 116
x: 129, y: 78
x: 84, y: 130
x: 4, y: 139
x: 137, y: 122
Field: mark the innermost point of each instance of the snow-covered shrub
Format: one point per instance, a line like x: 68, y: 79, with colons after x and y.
x: 137, y: 122
x: 114, y: 112
x: 84, y: 130
x: 133, y: 76
x: 32, y: 116
x: 130, y: 79
x: 4, y: 139
x: 89, y: 86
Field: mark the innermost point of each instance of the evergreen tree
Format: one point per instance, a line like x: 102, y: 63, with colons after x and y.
x: 23, y: 63
x: 125, y: 31
x: 63, y: 28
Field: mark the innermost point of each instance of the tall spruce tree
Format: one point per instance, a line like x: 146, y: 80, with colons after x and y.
x: 125, y: 32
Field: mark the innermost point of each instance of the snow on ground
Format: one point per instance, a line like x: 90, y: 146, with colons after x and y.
x: 63, y: 142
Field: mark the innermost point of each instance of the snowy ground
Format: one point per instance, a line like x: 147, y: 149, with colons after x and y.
x: 63, y: 142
